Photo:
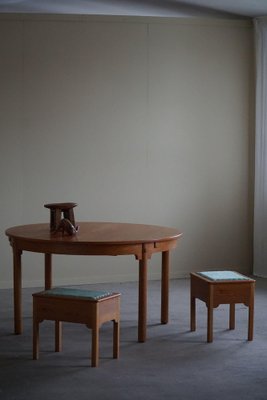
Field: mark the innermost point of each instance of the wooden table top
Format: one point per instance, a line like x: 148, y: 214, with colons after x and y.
x: 96, y: 233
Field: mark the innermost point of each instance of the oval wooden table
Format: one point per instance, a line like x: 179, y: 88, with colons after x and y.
x: 96, y: 238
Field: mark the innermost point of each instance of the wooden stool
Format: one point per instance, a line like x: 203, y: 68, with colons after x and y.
x: 59, y: 210
x: 222, y: 287
x: 92, y: 308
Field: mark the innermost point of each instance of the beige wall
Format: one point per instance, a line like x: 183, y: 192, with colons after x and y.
x: 135, y: 119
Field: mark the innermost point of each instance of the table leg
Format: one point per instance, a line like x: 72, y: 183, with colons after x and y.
x: 17, y: 283
x: 165, y: 287
x: 48, y: 271
x: 142, y: 306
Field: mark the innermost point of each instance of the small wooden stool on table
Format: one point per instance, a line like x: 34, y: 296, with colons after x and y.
x: 222, y: 287
x: 59, y: 210
x: 88, y: 307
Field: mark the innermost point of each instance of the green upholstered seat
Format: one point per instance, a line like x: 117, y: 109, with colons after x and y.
x: 71, y: 292
x: 223, y: 275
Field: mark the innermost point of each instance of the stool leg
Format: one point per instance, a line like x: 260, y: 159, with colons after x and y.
x: 193, y: 314
x: 210, y: 314
x: 70, y: 216
x: 57, y: 218
x: 58, y: 336
x: 210, y: 324
x: 250, y: 320
x: 232, y: 316
x: 95, y: 347
x: 35, y: 340
x: 116, y: 339
x: 251, y: 312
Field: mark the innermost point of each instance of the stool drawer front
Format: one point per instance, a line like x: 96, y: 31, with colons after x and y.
x: 63, y: 310
x: 228, y: 293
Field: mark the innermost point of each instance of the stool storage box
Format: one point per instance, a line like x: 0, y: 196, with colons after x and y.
x: 88, y: 307
x: 221, y: 287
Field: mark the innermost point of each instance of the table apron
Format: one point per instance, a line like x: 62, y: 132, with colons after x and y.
x: 138, y: 250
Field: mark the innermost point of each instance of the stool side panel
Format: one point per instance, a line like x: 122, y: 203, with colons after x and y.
x: 200, y: 288
x: 109, y: 310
